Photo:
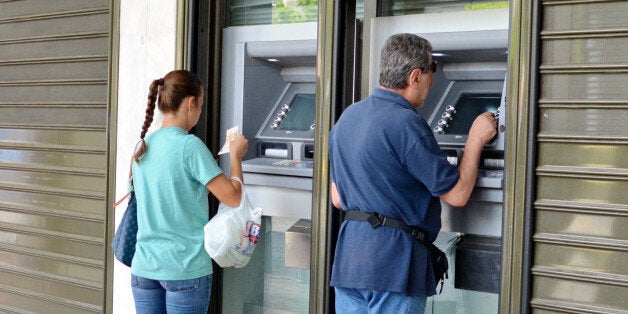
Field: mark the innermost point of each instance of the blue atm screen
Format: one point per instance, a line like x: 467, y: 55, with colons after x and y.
x: 300, y: 117
x: 470, y: 106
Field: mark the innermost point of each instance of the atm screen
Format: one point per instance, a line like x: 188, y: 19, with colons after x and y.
x: 301, y: 115
x: 468, y: 107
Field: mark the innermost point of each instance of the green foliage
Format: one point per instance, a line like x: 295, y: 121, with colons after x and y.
x: 305, y: 11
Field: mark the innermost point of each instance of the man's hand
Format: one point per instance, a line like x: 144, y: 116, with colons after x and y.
x: 484, y: 128
x: 482, y: 131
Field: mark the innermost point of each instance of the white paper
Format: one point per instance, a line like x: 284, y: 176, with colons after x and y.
x: 231, y: 135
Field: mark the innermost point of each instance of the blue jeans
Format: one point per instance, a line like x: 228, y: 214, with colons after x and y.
x: 358, y: 301
x: 171, y: 296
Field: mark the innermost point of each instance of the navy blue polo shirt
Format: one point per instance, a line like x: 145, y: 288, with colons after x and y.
x: 385, y: 159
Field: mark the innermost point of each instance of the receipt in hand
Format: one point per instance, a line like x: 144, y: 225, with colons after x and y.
x: 231, y: 135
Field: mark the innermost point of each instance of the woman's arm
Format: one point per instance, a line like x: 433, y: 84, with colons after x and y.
x: 228, y: 191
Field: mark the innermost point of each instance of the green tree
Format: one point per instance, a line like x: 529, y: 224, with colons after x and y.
x: 283, y: 14
x: 306, y: 11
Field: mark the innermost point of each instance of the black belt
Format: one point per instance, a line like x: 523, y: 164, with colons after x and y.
x: 377, y: 220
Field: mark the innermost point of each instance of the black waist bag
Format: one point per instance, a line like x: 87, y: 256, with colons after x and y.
x: 440, y: 265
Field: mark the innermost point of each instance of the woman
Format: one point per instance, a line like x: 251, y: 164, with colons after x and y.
x: 172, y: 174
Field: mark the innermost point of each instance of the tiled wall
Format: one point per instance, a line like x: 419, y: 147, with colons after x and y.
x: 147, y: 52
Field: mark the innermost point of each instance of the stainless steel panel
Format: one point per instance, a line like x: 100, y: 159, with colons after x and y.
x: 54, y: 75
x: 21, y: 301
x: 587, y: 121
x: 81, y: 91
x: 583, y: 258
x: 80, y: 67
x: 51, y: 241
x: 80, y: 141
x: 598, y: 225
x: 31, y: 27
x: 538, y: 311
x: 55, y: 178
x: 18, y: 8
x: 582, y: 174
x: 591, y: 86
x: 56, y: 287
x: 582, y: 292
x: 54, y: 115
x: 585, y: 51
x: 52, y: 204
x: 582, y: 15
x: 589, y: 190
x: 89, y: 44
x: 36, y: 261
x: 583, y: 155
x: 96, y: 162
x: 90, y: 227
x: 477, y: 217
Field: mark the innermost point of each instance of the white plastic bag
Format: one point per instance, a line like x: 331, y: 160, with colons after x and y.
x: 232, y: 234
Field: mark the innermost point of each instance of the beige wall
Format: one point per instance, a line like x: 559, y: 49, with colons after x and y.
x: 147, y: 52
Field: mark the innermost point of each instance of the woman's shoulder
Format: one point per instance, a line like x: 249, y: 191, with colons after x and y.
x: 193, y: 143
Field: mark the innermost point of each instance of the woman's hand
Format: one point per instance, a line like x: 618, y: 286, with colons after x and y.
x: 238, y: 146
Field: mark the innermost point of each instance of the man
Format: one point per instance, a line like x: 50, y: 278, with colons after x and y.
x: 385, y: 160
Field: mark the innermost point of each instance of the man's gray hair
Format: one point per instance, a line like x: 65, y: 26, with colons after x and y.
x: 401, y: 54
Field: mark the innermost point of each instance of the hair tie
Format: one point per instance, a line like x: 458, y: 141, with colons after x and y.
x: 142, y: 135
x: 160, y: 82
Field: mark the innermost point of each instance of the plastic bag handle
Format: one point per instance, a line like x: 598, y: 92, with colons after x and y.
x: 237, y: 179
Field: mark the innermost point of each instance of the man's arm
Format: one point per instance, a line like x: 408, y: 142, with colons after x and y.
x: 481, y: 132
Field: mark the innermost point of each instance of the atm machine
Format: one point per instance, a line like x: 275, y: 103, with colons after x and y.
x: 471, y: 50
x: 269, y: 92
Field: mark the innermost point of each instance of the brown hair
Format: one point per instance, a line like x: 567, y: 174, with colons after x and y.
x: 175, y: 87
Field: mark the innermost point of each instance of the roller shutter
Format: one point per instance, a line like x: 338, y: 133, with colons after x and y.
x: 580, y: 262
x: 54, y: 91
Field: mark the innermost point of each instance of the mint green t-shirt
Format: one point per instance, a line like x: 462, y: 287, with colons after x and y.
x: 172, y: 206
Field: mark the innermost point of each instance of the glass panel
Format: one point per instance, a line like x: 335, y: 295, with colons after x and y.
x: 586, y: 16
x: 285, y: 284
x: 454, y: 300
x: 253, y: 12
x: 272, y: 93
x: 408, y: 7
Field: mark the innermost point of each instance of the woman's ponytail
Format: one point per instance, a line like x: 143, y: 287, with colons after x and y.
x: 148, y: 119
x: 175, y: 87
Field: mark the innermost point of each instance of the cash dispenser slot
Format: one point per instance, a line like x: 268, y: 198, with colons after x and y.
x: 492, y: 160
x: 453, y: 156
x: 308, y: 152
x: 275, y: 150
x: 491, y: 171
